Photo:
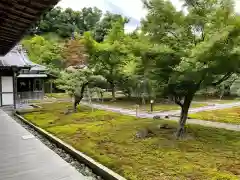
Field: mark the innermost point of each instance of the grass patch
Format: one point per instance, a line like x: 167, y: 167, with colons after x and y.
x: 229, y: 115
x: 128, y: 104
x: 35, y: 101
x: 206, y: 153
x: 225, y: 101
x: 58, y: 95
x: 214, y: 100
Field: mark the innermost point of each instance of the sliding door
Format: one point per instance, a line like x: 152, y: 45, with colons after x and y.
x: 7, y: 92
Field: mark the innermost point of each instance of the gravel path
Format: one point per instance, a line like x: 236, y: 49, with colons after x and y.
x: 206, y: 108
x: 171, y: 114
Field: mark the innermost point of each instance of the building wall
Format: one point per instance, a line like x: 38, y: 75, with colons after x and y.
x: 6, y: 87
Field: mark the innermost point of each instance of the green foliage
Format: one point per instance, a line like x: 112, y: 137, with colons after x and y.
x: 65, y: 22
x: 72, y: 81
x: 200, y: 59
x: 202, y: 46
x: 206, y: 153
x: 105, y: 25
x: 43, y: 51
x: 108, y: 56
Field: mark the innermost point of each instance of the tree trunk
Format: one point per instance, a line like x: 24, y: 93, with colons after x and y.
x: 77, y: 98
x: 101, y: 93
x: 184, y: 115
x: 51, y: 87
x: 113, y: 91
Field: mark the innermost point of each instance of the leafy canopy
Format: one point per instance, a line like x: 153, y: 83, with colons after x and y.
x: 202, y: 43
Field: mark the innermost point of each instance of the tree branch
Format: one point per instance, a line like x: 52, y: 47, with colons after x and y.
x: 178, y: 101
x: 203, y: 35
x: 173, y: 34
x: 77, y: 99
x: 224, y: 78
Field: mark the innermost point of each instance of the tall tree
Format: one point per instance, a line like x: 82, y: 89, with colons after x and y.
x: 75, y: 83
x: 43, y: 51
x: 103, y: 27
x: 106, y: 57
x: 65, y: 22
x: 199, y: 48
x: 74, y: 53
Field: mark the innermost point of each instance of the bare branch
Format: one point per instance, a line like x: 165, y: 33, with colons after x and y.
x: 224, y: 78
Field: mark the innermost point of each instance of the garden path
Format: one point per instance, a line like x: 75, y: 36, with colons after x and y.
x: 172, y: 115
x: 25, y: 157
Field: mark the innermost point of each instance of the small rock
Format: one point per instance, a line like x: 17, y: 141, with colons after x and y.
x: 144, y: 133
x: 156, y: 117
x: 164, y: 126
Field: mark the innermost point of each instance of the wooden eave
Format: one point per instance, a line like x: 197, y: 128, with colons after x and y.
x: 16, y: 17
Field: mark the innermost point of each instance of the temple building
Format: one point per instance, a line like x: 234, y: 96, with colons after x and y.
x: 20, y: 79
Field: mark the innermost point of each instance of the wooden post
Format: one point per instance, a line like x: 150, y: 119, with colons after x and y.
x: 51, y: 86
x: 1, y: 90
x: 151, y: 102
x: 43, y: 88
x: 14, y: 89
x: 137, y: 110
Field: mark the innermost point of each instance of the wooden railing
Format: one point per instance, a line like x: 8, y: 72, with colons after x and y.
x: 29, y: 97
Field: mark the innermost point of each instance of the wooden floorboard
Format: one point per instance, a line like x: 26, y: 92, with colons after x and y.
x: 23, y: 157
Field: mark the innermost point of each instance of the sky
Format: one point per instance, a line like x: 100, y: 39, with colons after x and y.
x: 130, y: 8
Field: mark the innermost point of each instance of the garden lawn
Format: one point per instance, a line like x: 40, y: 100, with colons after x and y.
x: 157, y: 106
x: 216, y: 101
x: 58, y: 95
x: 206, y: 153
x: 225, y: 101
x: 229, y: 115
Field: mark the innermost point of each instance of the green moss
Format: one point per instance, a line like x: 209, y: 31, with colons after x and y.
x: 229, y: 115
x: 157, y: 106
x: 224, y: 176
x: 42, y: 120
x: 68, y: 129
x: 205, y: 153
x: 58, y: 95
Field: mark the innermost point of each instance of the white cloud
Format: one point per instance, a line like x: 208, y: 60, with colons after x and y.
x: 133, y: 8
x: 79, y: 4
x: 237, y: 6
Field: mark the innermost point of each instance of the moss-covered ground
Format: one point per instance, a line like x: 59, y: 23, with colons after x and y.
x: 215, y: 100
x: 159, y: 106
x: 204, y: 154
x: 58, y: 95
x: 229, y: 115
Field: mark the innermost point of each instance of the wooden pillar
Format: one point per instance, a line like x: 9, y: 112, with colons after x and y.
x: 0, y: 90
x: 15, y: 88
x: 43, y: 88
x: 51, y: 86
